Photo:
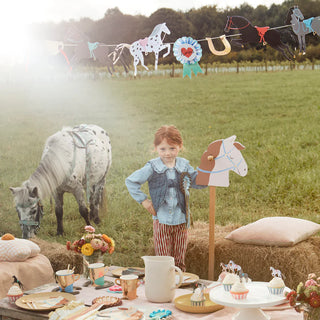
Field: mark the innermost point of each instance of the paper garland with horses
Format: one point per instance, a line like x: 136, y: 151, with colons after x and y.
x: 74, y: 160
x: 153, y: 43
x: 250, y: 34
x: 301, y: 26
x: 83, y: 49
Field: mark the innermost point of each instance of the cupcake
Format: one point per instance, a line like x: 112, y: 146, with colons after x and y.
x: 239, y: 291
x: 229, y: 280
x: 15, y: 291
x: 198, y: 298
x: 276, y: 286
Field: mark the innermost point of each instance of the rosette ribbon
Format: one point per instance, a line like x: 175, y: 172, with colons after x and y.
x: 188, y: 51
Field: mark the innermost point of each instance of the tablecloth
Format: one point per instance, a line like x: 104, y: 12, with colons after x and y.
x: 87, y: 294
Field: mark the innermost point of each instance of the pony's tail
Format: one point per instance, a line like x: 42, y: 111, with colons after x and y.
x: 116, y: 54
x: 103, y: 201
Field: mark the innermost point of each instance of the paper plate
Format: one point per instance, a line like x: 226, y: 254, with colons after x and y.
x: 118, y: 272
x: 183, y: 303
x: 118, y: 313
x: 189, y: 278
x: 44, y: 301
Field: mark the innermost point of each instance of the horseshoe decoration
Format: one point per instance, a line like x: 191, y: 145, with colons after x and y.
x: 227, y: 46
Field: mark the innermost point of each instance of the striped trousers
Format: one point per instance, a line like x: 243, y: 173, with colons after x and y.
x: 171, y: 241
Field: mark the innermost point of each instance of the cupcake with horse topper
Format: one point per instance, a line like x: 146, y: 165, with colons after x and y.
x: 231, y: 274
x: 239, y: 290
x: 15, y: 292
x: 197, y: 299
x: 276, y: 285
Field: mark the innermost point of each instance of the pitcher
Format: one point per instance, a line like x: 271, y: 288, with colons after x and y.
x: 160, y: 279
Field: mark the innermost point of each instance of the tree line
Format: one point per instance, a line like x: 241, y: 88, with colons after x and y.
x: 207, y: 21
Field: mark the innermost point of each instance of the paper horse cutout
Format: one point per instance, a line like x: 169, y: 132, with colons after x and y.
x: 153, y: 43
x: 226, y: 43
x: 83, y: 49
x: 255, y: 35
x: 216, y: 162
x: 301, y: 27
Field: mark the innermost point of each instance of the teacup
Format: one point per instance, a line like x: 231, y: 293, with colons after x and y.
x: 129, y: 284
x: 65, y: 279
x: 96, y: 273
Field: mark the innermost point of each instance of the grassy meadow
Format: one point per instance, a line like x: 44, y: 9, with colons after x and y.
x: 276, y: 116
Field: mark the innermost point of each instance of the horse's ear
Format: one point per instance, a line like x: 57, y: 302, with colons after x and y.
x: 239, y: 146
x: 34, y: 193
x: 14, y: 190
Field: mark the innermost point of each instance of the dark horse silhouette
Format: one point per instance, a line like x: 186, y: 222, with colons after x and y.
x: 83, y: 49
x: 256, y: 35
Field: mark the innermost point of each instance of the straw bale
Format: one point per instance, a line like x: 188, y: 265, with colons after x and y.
x: 294, y: 262
x: 59, y: 256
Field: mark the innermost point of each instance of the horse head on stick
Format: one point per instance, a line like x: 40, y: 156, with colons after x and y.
x: 216, y: 162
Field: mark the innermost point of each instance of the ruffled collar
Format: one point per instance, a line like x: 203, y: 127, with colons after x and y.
x: 160, y: 167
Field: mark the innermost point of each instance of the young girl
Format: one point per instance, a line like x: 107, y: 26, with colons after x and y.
x: 167, y: 204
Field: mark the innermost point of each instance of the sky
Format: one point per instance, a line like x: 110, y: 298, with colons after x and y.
x: 57, y: 10
x: 15, y: 15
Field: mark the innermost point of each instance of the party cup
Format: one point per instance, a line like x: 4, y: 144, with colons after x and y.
x: 65, y: 279
x: 96, y: 273
x: 129, y: 284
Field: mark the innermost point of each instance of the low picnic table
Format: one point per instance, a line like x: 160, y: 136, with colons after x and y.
x: 9, y: 311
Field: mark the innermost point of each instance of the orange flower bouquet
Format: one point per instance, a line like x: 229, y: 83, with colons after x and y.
x: 92, y: 246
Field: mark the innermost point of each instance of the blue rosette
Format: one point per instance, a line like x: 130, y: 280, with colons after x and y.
x: 188, y: 51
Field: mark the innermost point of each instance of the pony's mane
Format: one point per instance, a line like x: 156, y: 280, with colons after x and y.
x: 53, y: 168
x: 289, y: 14
x: 156, y: 30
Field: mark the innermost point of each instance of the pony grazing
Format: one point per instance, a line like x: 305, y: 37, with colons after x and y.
x: 256, y: 35
x: 74, y: 160
x: 216, y: 162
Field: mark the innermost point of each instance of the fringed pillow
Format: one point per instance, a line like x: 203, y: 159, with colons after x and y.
x: 17, y: 250
x: 275, y: 231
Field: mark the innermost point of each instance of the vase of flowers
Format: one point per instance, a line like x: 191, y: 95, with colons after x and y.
x: 92, y: 246
x: 306, y: 298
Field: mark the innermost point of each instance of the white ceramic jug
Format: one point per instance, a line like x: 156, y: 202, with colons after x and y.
x: 160, y: 279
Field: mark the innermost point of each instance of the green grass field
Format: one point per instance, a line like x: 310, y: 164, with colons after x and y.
x: 276, y: 116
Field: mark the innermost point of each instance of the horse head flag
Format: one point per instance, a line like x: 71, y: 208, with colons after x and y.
x: 216, y: 162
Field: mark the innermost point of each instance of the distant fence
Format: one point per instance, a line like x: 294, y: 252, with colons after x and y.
x: 174, y: 70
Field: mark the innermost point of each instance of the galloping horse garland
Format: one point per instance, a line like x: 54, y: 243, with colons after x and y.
x: 187, y: 50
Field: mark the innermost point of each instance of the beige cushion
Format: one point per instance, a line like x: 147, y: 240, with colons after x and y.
x: 275, y: 231
x: 17, y: 250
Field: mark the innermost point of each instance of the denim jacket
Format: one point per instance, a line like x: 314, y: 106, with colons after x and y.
x: 164, y: 189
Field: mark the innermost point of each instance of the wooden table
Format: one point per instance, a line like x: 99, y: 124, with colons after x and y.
x: 10, y: 311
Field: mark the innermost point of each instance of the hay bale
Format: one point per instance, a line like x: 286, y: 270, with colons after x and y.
x: 59, y: 256
x: 197, y: 256
x: 294, y: 262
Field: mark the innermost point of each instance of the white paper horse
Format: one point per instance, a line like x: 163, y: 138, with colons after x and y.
x: 153, y: 43
x: 74, y: 160
x: 216, y: 162
x: 276, y: 272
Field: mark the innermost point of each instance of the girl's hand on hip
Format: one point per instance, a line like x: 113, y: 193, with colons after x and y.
x: 147, y: 204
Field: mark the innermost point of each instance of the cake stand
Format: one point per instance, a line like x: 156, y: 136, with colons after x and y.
x: 250, y: 308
